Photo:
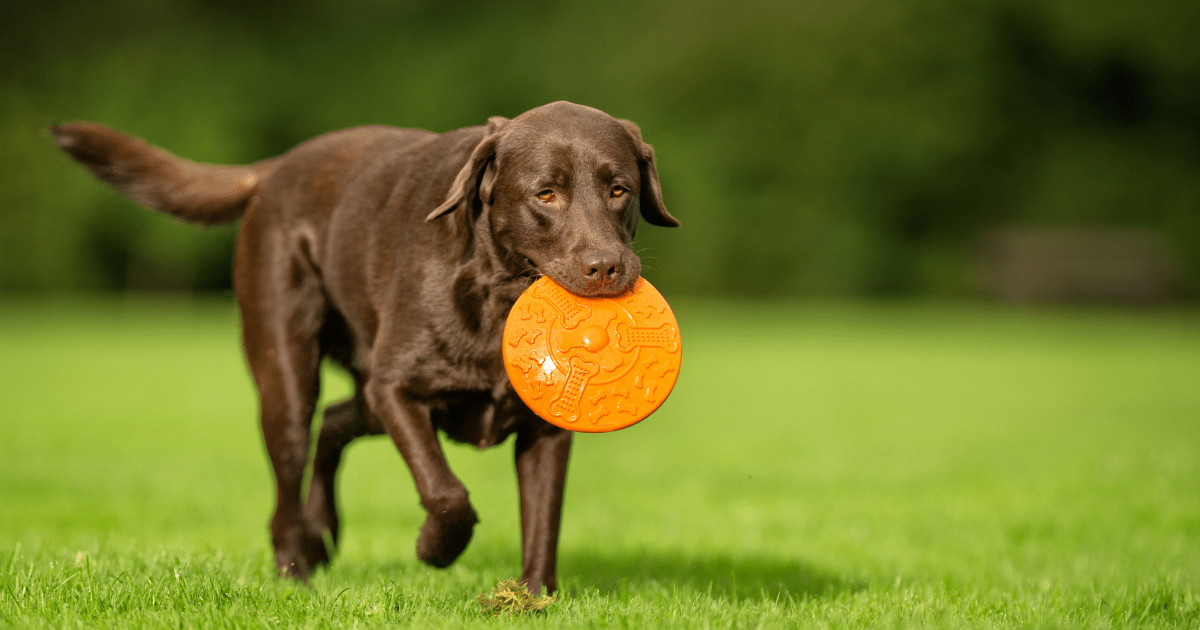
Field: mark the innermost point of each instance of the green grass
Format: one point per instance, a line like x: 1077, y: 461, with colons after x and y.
x: 818, y: 465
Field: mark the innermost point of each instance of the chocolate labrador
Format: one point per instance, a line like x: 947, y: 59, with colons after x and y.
x: 398, y: 253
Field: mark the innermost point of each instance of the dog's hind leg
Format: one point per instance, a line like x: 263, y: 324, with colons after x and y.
x: 344, y: 422
x: 283, y: 309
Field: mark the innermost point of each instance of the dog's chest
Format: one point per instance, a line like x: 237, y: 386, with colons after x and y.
x: 464, y: 376
x: 453, y: 344
x: 481, y: 419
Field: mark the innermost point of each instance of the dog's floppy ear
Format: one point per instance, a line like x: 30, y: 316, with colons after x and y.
x: 478, y: 175
x: 653, y: 210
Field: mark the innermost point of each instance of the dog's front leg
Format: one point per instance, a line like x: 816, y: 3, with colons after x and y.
x: 451, y: 519
x: 542, y: 453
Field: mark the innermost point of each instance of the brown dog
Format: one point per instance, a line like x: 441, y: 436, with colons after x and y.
x: 399, y: 253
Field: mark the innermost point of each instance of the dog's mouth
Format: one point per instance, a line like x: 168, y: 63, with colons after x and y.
x: 561, y: 272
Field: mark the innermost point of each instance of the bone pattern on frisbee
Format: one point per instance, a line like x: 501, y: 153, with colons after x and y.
x: 592, y: 364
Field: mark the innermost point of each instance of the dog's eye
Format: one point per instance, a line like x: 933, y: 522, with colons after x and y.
x: 619, y: 191
x: 546, y: 196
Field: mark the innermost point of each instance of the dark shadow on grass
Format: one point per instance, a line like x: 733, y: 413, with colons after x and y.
x: 740, y: 576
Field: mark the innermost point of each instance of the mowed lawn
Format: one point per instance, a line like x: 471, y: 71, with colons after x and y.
x: 824, y: 465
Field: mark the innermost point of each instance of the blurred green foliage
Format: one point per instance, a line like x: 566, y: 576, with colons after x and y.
x: 808, y: 147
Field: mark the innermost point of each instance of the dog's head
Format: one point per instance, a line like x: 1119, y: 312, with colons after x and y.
x: 562, y: 187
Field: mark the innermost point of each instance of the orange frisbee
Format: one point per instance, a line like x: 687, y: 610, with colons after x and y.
x: 592, y: 364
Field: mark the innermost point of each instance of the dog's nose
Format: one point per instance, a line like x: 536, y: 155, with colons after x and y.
x: 601, y: 267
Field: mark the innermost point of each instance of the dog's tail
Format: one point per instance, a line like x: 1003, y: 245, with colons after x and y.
x: 203, y: 193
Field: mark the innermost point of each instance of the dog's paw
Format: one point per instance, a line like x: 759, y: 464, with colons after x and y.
x: 445, y: 535
x: 320, y: 518
x: 315, y: 548
x: 535, y: 583
x: 302, y: 551
x: 292, y: 565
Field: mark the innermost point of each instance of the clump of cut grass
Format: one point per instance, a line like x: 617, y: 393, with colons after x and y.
x: 510, y: 597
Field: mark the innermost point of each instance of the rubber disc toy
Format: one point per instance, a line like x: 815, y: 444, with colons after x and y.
x: 592, y: 365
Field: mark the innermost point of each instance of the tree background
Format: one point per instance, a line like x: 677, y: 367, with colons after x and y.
x: 809, y: 148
